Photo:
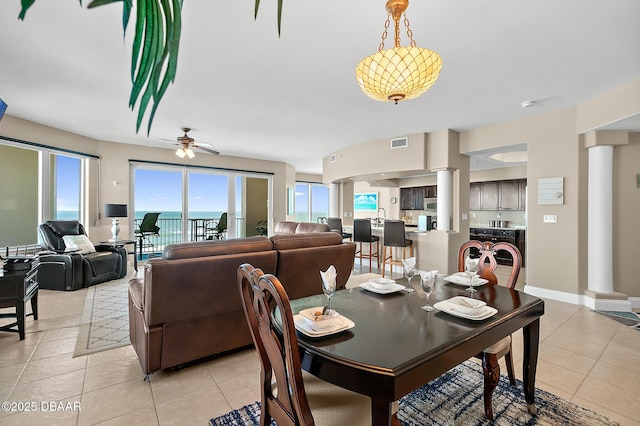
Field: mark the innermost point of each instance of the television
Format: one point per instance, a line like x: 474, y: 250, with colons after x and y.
x: 3, y: 108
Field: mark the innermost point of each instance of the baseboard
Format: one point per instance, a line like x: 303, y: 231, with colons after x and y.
x: 576, y: 299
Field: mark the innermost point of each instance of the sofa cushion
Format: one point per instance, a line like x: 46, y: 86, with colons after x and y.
x: 216, y: 247
x: 285, y: 227
x: 303, y: 240
x: 312, y: 227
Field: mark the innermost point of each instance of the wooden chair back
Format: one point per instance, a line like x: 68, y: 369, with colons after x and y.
x: 283, y: 397
x: 487, y: 263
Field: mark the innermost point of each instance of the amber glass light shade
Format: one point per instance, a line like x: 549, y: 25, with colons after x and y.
x: 397, y: 74
x: 400, y: 73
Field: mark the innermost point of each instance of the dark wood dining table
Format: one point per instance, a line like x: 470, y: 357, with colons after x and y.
x: 396, y: 347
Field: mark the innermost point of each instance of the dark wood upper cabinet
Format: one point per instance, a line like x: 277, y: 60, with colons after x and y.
x: 498, y: 195
x: 431, y: 191
x: 509, y: 196
x: 412, y: 198
x: 475, y: 192
x: 489, y: 198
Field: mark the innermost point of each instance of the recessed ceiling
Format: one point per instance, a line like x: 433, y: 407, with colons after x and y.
x: 294, y: 98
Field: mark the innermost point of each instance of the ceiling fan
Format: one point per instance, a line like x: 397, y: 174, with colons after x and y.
x: 185, y: 144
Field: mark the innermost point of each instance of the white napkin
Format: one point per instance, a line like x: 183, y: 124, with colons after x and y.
x: 469, y: 261
x: 409, y: 263
x: 428, y: 275
x: 329, y: 277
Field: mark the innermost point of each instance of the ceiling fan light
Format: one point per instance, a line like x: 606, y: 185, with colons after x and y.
x: 190, y: 153
x: 180, y: 152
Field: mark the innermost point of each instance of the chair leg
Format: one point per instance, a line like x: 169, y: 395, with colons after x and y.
x: 384, y: 260
x: 491, y: 372
x: 509, y: 361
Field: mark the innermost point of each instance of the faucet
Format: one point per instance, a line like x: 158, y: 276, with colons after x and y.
x: 378, y: 217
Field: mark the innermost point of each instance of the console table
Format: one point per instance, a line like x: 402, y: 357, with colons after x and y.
x: 16, y: 289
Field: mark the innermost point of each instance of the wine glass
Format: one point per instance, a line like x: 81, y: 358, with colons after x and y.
x: 471, y: 269
x: 329, y: 289
x: 427, y: 285
x: 409, y: 271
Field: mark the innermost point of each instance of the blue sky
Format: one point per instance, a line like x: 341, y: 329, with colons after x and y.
x: 162, y: 191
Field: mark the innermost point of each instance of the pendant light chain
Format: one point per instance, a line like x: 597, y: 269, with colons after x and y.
x: 384, y: 33
x: 409, y: 32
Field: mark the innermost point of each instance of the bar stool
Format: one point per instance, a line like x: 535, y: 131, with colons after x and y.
x: 335, y: 223
x: 394, y: 236
x: 362, y: 234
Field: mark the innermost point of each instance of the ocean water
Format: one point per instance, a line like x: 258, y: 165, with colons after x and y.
x: 73, y: 215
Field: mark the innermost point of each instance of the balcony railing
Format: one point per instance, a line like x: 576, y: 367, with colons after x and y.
x: 171, y: 232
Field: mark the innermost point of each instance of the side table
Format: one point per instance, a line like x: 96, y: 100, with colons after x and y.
x: 16, y: 289
x: 123, y: 243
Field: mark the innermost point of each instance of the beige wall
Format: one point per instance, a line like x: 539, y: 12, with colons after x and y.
x: 553, y: 151
x: 373, y: 158
x: 626, y: 216
x: 114, y: 164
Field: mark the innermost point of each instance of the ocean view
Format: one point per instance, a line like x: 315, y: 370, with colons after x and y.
x: 73, y: 215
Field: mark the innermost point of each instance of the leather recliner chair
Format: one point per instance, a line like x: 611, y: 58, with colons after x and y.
x: 60, y: 270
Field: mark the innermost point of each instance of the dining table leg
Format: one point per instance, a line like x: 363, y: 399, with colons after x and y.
x: 380, y: 412
x: 531, y: 337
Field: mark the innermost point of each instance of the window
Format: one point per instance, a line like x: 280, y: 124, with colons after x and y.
x: 312, y: 201
x: 66, y: 187
x: 46, y: 184
x: 200, y: 203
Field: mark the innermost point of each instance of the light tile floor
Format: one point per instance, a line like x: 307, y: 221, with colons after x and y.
x: 584, y: 357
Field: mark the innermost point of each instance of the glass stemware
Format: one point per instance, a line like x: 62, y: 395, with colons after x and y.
x: 427, y: 286
x: 471, y: 269
x: 409, y: 271
x: 329, y: 289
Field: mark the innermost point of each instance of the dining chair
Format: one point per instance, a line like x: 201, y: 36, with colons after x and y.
x: 394, y: 236
x: 487, y: 265
x: 362, y: 234
x: 335, y: 223
x: 287, y: 394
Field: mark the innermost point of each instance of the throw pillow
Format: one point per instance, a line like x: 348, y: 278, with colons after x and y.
x: 79, y: 242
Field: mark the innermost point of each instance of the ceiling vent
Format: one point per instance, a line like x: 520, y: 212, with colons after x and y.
x: 399, y: 143
x: 332, y: 159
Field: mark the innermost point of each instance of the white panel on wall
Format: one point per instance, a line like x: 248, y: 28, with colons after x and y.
x: 551, y: 191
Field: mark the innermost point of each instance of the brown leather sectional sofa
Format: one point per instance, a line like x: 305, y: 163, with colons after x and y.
x: 188, y: 304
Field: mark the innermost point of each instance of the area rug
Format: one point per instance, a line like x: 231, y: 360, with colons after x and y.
x: 630, y: 319
x: 456, y: 398
x: 105, y: 318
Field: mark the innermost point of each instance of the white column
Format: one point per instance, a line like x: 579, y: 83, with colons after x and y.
x: 334, y: 200
x: 600, y: 240
x: 445, y: 197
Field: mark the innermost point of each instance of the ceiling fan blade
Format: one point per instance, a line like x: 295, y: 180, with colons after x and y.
x: 210, y: 151
x: 168, y: 140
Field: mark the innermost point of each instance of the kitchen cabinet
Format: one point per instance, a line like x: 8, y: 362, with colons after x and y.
x: 498, y: 195
x: 431, y: 191
x: 489, y: 197
x: 509, y: 195
x: 475, y: 192
x: 412, y: 198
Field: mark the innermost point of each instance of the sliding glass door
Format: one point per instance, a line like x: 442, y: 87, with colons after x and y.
x: 200, y: 203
